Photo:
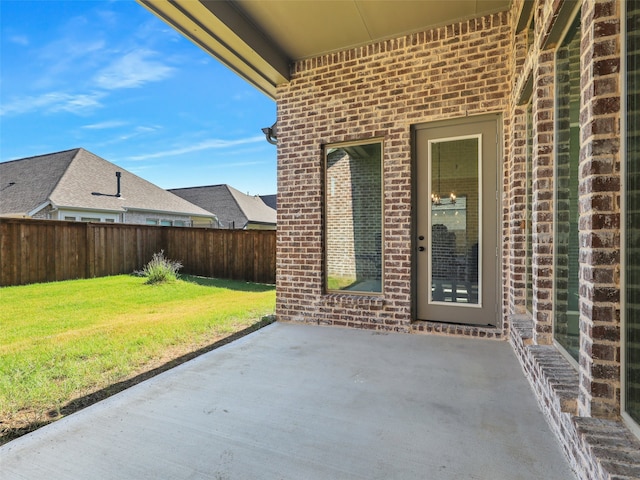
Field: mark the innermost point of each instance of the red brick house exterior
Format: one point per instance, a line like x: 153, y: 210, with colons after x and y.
x: 375, y: 91
x: 475, y: 67
x: 554, y: 75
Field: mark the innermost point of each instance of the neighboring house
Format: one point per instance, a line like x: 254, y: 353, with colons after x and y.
x: 499, y: 141
x: 233, y: 208
x: 270, y: 200
x: 77, y: 185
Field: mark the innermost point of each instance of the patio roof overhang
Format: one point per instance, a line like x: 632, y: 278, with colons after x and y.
x: 259, y: 40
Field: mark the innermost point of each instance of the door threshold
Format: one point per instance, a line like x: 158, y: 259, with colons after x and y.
x: 457, y: 329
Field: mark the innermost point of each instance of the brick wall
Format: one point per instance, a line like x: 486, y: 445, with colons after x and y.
x: 378, y: 90
x: 543, y: 193
x: 600, y: 210
x: 582, y: 404
x: 472, y: 68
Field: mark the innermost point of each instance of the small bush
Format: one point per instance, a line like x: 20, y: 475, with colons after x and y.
x: 160, y: 269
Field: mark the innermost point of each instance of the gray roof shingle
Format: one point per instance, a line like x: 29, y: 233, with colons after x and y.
x: 270, y: 200
x: 27, y: 183
x: 71, y: 178
x: 233, y: 208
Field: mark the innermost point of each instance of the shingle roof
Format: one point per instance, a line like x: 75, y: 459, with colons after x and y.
x: 270, y: 200
x: 27, y: 183
x: 232, y: 207
x: 71, y: 179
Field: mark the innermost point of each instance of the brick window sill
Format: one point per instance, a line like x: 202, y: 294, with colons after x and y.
x: 608, y: 446
x: 348, y: 300
x: 547, y: 365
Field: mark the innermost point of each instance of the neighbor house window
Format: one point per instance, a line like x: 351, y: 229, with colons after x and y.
x: 567, y: 131
x: 89, y: 219
x: 631, y: 395
x: 353, y: 213
x: 166, y: 223
x: 152, y: 221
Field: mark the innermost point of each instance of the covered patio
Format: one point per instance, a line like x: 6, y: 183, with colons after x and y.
x: 294, y: 401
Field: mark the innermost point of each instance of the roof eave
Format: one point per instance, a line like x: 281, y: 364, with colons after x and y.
x: 35, y: 210
x: 168, y: 212
x: 219, y: 29
x: 256, y: 222
x: 87, y: 209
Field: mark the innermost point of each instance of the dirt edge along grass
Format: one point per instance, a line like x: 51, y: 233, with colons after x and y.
x: 44, y: 324
x: 77, y: 404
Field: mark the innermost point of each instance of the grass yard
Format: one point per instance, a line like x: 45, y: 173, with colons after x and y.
x: 64, y: 345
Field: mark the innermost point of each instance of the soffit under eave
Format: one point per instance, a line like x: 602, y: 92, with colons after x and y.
x: 263, y: 66
x: 307, y: 29
x: 260, y: 40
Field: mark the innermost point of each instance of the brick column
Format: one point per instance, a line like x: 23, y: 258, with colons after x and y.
x: 543, y: 195
x: 600, y: 210
x: 515, y: 188
x: 517, y: 201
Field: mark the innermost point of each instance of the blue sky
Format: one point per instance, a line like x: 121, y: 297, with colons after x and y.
x: 110, y: 77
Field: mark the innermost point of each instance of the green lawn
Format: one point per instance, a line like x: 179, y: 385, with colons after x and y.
x: 64, y: 340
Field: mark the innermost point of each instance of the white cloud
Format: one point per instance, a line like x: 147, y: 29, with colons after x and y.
x: 79, y: 104
x: 131, y: 132
x: 105, y: 125
x: 66, y: 58
x: 206, y: 145
x: 19, y: 40
x: 132, y: 70
x: 239, y: 164
x: 53, y: 102
x: 136, y: 132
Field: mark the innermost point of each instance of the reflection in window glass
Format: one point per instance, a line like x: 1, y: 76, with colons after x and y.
x: 354, y: 217
x: 567, y: 317
x: 632, y: 350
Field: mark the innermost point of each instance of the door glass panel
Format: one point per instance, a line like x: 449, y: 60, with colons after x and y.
x: 455, y: 220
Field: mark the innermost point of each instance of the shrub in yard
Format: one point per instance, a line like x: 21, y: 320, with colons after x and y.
x: 160, y: 269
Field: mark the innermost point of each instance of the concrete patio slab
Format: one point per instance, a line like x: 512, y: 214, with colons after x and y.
x: 304, y: 402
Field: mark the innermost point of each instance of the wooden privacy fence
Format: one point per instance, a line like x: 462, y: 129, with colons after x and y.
x: 34, y: 251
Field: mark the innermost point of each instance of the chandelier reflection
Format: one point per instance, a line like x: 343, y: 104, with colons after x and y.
x: 436, y: 200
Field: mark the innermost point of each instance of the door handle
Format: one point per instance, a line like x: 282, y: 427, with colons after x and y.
x: 421, y: 249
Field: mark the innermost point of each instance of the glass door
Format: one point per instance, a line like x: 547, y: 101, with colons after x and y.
x: 457, y: 222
